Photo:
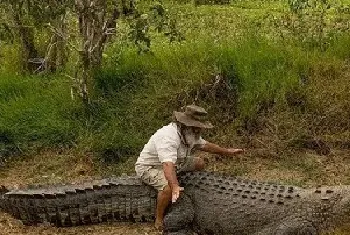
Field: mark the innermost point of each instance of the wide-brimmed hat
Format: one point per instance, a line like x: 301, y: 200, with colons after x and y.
x: 193, y: 116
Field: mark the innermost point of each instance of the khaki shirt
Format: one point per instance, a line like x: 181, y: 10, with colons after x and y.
x: 166, y: 145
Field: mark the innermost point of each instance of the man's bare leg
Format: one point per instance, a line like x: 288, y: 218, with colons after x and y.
x: 163, y: 200
x: 164, y: 197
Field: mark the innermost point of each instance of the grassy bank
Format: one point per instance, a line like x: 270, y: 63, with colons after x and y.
x: 138, y: 92
x: 265, y: 82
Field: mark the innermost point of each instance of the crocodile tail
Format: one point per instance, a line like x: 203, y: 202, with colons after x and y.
x: 123, y: 198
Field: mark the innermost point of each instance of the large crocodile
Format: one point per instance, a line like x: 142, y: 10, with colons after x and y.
x: 210, y: 204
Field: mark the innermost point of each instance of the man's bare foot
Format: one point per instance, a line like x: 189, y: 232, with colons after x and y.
x: 159, y: 225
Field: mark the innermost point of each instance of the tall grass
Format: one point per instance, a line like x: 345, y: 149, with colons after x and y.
x: 263, y: 73
x: 34, y: 112
x: 142, y: 90
x: 137, y: 93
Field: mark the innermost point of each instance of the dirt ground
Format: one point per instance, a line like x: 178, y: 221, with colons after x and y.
x: 52, y: 167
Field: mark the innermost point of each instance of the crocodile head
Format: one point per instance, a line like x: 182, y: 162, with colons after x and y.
x: 343, y: 207
x: 340, y: 213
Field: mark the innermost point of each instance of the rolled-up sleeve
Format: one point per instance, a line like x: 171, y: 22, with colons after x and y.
x: 166, y: 148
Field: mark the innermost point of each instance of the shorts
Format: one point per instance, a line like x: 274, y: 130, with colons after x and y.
x: 154, y: 175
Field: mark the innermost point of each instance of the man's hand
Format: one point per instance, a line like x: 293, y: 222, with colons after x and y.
x: 232, y: 152
x: 216, y: 149
x: 175, y: 191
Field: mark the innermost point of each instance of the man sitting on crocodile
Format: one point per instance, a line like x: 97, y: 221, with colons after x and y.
x: 170, y: 151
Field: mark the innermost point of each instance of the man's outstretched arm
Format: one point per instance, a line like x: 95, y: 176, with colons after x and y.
x: 216, y: 149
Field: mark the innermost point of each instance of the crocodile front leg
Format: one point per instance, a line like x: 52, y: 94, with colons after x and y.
x: 290, y: 226
x: 296, y: 227
x: 178, y: 220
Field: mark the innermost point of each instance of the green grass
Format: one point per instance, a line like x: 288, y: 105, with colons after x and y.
x: 35, y: 110
x: 9, y: 58
x: 263, y: 73
x: 137, y: 93
x: 264, y: 76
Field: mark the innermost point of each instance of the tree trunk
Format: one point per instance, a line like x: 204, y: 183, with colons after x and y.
x: 95, y: 30
x: 56, y: 57
x: 27, y: 39
x: 62, y: 58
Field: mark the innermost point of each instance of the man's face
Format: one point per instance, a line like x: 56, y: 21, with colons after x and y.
x: 196, y: 131
x: 192, y: 134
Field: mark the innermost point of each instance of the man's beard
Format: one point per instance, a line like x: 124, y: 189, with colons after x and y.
x: 191, y: 138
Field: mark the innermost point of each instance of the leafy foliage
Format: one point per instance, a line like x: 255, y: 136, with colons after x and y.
x: 308, y: 24
x: 6, y: 33
x: 157, y: 20
x: 46, y: 11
